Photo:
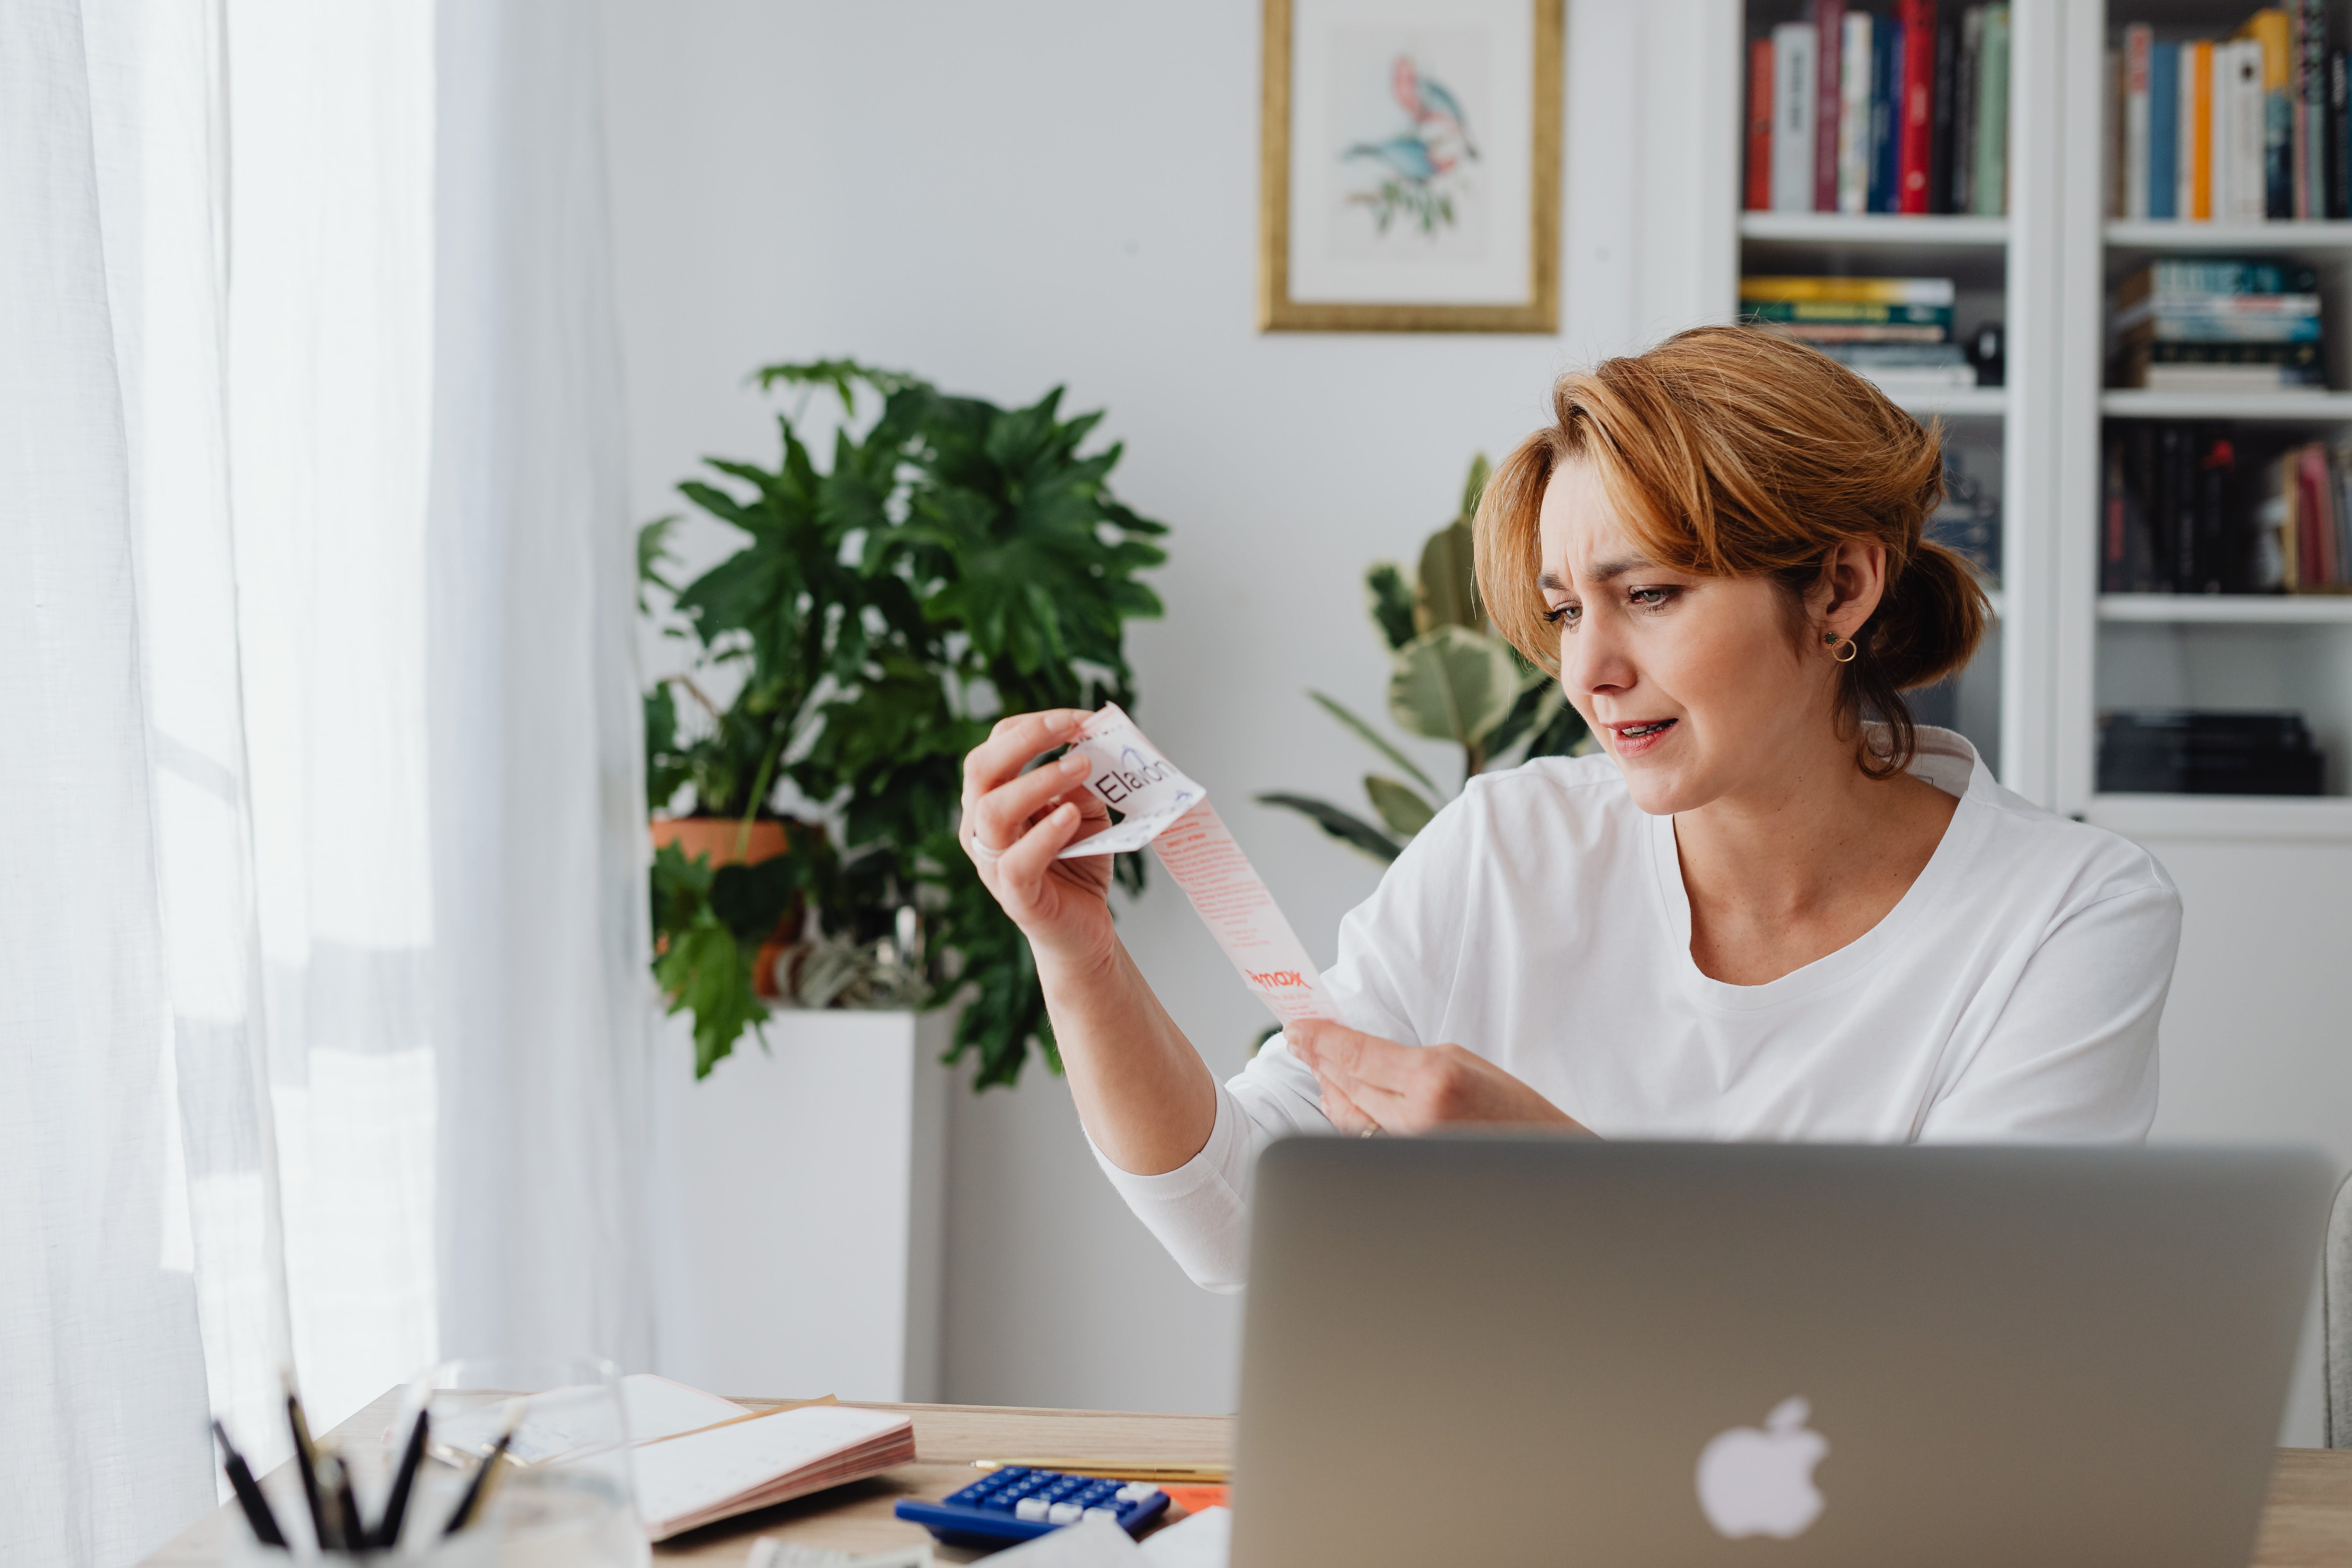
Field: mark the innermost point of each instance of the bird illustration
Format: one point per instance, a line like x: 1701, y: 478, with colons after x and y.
x: 1435, y: 112
x: 1408, y: 155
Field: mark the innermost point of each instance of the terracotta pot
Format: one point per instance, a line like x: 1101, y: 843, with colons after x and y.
x: 716, y: 838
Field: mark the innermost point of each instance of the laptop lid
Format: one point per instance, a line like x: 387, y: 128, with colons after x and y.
x: 1532, y: 1349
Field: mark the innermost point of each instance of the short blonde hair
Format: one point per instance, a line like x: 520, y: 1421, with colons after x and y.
x: 1732, y: 451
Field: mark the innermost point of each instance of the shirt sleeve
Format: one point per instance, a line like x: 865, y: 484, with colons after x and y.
x: 1397, y: 954
x: 2073, y: 1057
x: 1200, y: 1211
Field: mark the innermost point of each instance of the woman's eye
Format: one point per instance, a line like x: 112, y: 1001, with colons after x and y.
x: 1564, y: 615
x: 1651, y: 599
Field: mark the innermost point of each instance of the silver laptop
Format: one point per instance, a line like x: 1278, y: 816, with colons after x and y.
x: 1533, y: 1349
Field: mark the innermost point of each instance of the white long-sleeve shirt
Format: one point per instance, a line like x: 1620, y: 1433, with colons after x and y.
x: 1542, y: 921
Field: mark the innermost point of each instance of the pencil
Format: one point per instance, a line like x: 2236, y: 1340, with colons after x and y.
x: 306, y: 1462
x: 334, y: 1495
x: 479, y: 1492
x: 249, y: 1494
x: 395, y: 1505
x: 1115, y: 1469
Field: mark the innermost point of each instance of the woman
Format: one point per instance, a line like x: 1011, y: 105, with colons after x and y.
x: 1753, y: 915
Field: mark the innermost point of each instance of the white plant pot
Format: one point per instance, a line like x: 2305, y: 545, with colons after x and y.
x: 798, y: 1197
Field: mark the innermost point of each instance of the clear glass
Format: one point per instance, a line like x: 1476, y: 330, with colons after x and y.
x: 568, y: 1503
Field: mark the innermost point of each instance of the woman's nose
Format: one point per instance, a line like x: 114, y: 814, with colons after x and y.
x: 1593, y: 659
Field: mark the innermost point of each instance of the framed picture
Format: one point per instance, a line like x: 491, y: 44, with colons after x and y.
x: 1409, y: 166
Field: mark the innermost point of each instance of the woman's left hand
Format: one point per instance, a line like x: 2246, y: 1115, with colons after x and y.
x: 1374, y: 1085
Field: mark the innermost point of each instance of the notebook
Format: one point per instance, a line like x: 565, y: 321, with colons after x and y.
x: 700, y: 1459
x: 721, y: 1471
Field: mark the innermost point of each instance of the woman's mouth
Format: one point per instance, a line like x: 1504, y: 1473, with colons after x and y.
x: 1632, y: 740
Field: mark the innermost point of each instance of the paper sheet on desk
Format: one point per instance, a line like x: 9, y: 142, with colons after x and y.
x: 1172, y: 813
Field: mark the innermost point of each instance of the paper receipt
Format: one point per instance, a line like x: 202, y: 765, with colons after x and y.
x: 1163, y: 808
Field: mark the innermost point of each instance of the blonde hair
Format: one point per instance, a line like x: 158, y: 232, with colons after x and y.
x: 1733, y: 452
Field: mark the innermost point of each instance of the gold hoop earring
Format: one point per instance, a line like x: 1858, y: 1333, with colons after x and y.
x: 1845, y: 653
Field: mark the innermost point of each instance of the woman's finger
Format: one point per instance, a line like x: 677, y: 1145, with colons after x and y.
x: 1010, y: 746
x: 1000, y: 816
x: 1020, y: 868
x: 1343, y: 1113
x: 1338, y: 1050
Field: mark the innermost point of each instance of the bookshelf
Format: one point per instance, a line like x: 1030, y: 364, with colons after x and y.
x: 2217, y: 651
x: 1999, y: 436
x: 2064, y: 651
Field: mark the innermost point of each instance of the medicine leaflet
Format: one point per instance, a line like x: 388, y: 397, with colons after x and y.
x: 1163, y: 808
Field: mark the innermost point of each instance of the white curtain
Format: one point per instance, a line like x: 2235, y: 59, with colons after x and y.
x: 323, y: 1016
x: 544, y: 1009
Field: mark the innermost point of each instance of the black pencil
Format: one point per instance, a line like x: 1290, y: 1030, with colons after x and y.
x: 347, y: 1508
x: 395, y: 1505
x: 479, y: 1490
x: 249, y: 1494
x: 335, y: 1519
x: 306, y: 1463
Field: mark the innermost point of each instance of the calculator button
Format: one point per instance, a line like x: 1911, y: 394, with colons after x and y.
x: 1064, y: 1513
x: 1030, y: 1507
x: 1108, y: 1513
x: 1138, y: 1492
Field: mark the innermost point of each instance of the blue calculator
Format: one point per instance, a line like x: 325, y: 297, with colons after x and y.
x: 1016, y: 1503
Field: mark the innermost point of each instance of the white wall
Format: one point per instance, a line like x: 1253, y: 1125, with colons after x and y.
x: 1007, y: 197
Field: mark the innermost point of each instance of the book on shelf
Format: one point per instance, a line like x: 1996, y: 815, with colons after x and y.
x: 1792, y: 118
x: 1899, y: 110
x: 2243, y: 129
x: 2190, y: 509
x: 1894, y: 331
x: 2195, y: 324
x: 2189, y: 752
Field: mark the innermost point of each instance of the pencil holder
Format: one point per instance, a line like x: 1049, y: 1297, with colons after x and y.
x: 520, y: 1464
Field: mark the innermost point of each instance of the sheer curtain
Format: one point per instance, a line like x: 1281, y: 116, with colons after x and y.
x: 322, y: 1018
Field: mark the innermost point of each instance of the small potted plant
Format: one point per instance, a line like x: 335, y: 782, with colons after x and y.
x: 954, y: 561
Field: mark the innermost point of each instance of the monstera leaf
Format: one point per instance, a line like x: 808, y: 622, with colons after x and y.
x: 1454, y: 684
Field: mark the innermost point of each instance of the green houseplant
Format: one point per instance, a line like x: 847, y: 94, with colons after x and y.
x: 1451, y: 677
x: 954, y: 562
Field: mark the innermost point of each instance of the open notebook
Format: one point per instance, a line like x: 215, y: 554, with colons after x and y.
x: 699, y: 1459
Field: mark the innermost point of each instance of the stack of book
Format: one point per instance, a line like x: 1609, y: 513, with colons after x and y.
x: 1898, y: 112
x: 2189, y: 511
x: 2183, y: 751
x: 2235, y: 130
x: 2191, y: 325
x: 1896, y: 332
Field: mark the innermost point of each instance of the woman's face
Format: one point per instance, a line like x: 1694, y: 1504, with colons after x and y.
x: 1694, y: 684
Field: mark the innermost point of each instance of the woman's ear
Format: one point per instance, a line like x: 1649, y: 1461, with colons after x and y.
x: 1852, y: 582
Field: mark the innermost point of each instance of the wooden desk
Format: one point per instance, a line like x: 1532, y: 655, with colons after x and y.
x: 2307, y: 1524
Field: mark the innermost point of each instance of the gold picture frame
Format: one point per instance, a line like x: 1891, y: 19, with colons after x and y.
x: 1536, y: 312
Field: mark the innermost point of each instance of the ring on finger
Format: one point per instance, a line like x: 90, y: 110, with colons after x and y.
x: 987, y: 855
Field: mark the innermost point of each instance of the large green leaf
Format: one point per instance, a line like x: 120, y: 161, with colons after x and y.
x: 1344, y: 825
x: 1405, y: 812
x: 1449, y: 581
x: 1372, y: 738
x: 1453, y: 684
x: 1473, y: 486
x: 1560, y: 735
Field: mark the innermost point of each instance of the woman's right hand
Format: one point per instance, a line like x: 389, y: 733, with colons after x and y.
x: 1015, y: 824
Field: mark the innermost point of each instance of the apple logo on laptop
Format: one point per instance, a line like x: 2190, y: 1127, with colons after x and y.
x: 1760, y: 1481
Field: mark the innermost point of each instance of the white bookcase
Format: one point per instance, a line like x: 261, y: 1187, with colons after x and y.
x: 2064, y: 652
